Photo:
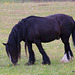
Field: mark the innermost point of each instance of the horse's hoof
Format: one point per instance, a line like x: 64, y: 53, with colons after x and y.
x: 29, y: 63
x: 46, y: 63
x: 71, y: 58
x: 65, y: 59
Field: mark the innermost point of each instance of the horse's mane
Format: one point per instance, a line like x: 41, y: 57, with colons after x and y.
x: 18, y: 34
x: 14, y: 39
x: 23, y: 22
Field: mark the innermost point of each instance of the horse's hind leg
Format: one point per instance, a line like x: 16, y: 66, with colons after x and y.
x: 71, y: 55
x: 31, y: 55
x: 44, y: 55
x: 68, y: 53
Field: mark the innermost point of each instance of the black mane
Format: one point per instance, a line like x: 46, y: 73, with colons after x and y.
x: 16, y: 36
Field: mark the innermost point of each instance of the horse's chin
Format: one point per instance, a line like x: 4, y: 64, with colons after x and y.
x: 14, y: 64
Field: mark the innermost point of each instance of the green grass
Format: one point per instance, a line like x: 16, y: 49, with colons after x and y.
x: 16, y: 1
x: 10, y: 14
x: 10, y: 0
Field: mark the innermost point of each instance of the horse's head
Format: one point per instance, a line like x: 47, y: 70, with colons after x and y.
x: 12, y: 52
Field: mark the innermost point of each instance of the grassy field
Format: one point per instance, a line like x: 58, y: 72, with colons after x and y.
x: 10, y: 14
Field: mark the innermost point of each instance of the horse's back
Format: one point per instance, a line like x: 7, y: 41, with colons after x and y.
x: 44, y: 28
x: 66, y: 22
x: 49, y: 28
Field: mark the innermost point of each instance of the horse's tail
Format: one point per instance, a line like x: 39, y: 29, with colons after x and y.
x: 26, y: 48
x: 26, y: 45
x: 73, y: 34
x: 25, y: 34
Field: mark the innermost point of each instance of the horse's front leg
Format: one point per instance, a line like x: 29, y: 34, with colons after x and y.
x: 44, y: 55
x: 31, y: 55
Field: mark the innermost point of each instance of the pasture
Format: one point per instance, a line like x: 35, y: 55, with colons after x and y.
x: 10, y: 14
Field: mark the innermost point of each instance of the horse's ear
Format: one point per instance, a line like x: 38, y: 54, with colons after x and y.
x: 5, y: 44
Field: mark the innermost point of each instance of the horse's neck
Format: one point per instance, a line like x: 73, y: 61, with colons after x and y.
x: 20, y: 33
x: 21, y: 30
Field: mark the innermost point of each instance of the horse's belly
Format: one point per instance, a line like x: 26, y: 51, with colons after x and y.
x: 48, y: 38
x: 50, y: 34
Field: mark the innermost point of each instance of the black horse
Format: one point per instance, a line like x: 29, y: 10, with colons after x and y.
x: 34, y: 29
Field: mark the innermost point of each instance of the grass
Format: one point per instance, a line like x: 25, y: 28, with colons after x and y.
x: 10, y: 0
x: 10, y: 14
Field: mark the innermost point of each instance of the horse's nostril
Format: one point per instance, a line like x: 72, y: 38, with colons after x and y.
x: 14, y: 62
